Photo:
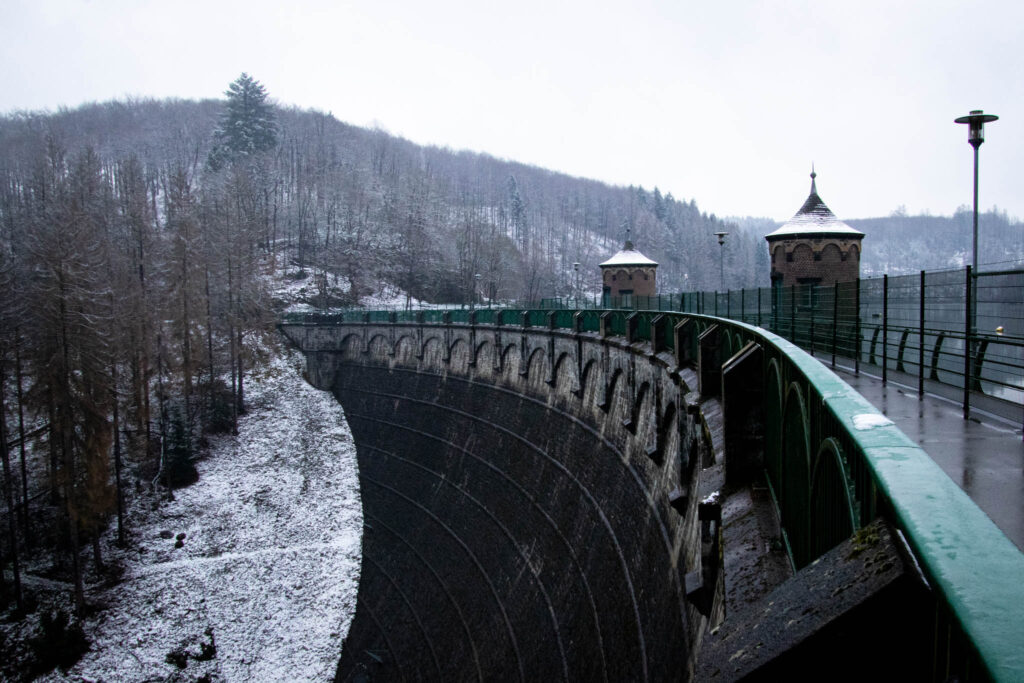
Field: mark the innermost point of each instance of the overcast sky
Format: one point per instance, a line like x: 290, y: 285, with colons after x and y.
x: 725, y: 102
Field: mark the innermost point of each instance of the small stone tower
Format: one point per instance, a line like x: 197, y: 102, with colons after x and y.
x: 814, y: 247
x: 627, y: 275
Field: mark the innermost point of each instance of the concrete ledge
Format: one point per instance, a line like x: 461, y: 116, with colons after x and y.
x: 852, y: 614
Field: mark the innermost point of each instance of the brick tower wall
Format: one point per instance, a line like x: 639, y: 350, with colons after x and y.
x: 640, y: 279
x: 822, y: 260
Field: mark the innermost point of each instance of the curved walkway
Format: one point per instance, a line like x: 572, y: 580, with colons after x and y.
x: 983, y: 455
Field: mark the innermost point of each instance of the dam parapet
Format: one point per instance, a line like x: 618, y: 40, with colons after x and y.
x: 545, y: 495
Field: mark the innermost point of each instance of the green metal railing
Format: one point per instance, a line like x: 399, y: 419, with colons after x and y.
x: 833, y: 464
x: 955, y: 329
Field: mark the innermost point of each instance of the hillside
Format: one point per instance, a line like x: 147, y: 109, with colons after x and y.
x: 371, y: 206
x: 899, y: 244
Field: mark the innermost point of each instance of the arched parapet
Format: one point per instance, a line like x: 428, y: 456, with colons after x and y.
x: 794, y: 497
x: 486, y: 359
x: 379, y: 347
x: 667, y: 444
x: 459, y: 356
x: 435, y: 350
x: 833, y: 499
x: 773, y: 406
x: 407, y: 350
x: 833, y: 463
x: 565, y: 381
x: 615, y: 380
x: 536, y: 365
x: 592, y: 383
x: 510, y: 360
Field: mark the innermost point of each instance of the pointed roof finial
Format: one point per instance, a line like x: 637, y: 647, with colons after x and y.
x: 814, y: 189
x: 628, y: 246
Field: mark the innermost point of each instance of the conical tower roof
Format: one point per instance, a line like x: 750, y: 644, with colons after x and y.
x: 628, y: 256
x: 814, y: 218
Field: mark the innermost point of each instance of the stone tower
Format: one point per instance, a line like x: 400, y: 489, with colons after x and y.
x: 627, y: 275
x: 814, y: 247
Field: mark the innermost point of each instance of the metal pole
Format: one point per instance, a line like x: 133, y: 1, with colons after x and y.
x: 716, y: 302
x: 856, y: 328
x: 814, y: 290
x: 968, y: 318
x: 974, y: 259
x: 721, y: 242
x: 792, y: 313
x: 885, y: 328
x: 759, y: 306
x: 835, y: 319
x: 920, y: 351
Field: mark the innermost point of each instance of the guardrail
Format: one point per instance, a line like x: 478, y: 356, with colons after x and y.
x: 957, y: 328
x: 833, y: 464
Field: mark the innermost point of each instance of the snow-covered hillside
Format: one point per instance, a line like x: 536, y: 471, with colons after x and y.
x: 269, y: 565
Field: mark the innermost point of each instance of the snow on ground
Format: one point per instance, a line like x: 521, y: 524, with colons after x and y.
x: 300, y: 294
x: 271, y: 554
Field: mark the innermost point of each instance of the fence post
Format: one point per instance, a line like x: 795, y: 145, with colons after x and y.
x: 759, y: 306
x: 814, y: 291
x: 967, y: 343
x: 856, y: 329
x: 743, y: 305
x: 792, y: 313
x: 716, y: 303
x: 885, y: 328
x: 920, y: 351
x: 728, y: 303
x: 835, y: 319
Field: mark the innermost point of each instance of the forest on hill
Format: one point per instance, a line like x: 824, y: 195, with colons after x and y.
x: 900, y: 244
x: 138, y: 240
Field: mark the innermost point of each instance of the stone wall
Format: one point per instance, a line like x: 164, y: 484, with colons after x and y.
x: 531, y: 502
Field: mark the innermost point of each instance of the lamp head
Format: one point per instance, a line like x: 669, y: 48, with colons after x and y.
x: 976, y: 121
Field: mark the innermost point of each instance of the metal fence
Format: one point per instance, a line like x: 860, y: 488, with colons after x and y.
x: 956, y: 333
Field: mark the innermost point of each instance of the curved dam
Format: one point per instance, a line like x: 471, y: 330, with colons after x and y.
x: 529, y: 503
x: 616, y: 495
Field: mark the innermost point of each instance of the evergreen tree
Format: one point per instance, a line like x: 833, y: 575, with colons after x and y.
x: 247, y: 125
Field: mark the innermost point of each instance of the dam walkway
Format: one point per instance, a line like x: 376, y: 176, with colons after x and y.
x: 983, y: 455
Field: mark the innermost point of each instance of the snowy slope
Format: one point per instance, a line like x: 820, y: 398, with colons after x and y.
x: 271, y: 556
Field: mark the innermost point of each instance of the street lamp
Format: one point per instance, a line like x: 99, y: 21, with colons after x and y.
x: 721, y: 259
x: 576, y: 283
x: 476, y: 283
x: 976, y: 121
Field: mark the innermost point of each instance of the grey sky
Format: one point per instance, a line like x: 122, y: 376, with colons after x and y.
x: 726, y: 102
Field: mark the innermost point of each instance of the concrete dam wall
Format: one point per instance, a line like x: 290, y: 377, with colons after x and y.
x: 532, y: 502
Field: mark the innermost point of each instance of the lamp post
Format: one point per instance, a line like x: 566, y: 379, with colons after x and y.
x: 976, y: 121
x: 721, y: 259
x: 576, y: 281
x: 476, y: 283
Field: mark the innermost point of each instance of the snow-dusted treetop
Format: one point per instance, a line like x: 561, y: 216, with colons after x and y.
x: 814, y: 218
x: 247, y: 124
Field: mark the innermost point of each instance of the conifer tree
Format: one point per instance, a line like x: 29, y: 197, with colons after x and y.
x: 246, y: 126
